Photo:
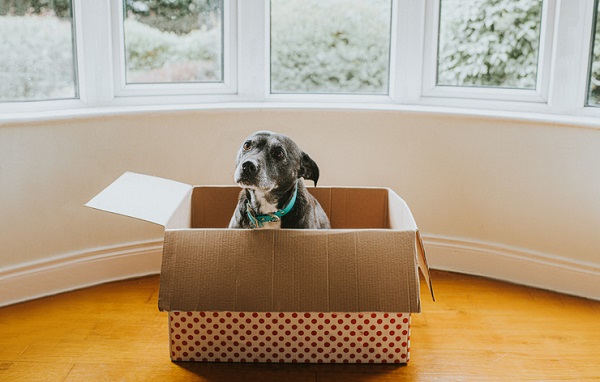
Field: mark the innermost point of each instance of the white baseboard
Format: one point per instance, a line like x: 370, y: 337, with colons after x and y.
x: 79, y: 270
x: 101, y: 265
x: 516, y: 265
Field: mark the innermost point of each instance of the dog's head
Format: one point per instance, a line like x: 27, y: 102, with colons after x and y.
x: 268, y: 162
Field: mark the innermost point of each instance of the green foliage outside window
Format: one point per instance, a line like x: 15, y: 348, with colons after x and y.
x: 489, y: 43
x: 173, y: 40
x: 177, y: 16
x: 339, y: 46
x: 594, y: 86
x: 36, y: 50
x: 60, y: 8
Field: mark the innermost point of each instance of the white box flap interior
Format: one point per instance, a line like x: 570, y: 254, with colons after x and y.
x: 142, y: 197
x: 402, y: 218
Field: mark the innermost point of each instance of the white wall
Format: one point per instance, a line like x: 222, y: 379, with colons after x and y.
x: 509, y: 199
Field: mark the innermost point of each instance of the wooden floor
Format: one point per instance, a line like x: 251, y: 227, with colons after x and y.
x: 478, y: 330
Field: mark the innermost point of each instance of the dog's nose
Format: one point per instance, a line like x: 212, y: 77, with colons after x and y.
x: 249, y: 167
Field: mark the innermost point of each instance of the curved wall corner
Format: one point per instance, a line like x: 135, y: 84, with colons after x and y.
x: 508, y: 199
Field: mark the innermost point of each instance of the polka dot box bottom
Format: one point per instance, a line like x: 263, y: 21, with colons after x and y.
x: 290, y: 337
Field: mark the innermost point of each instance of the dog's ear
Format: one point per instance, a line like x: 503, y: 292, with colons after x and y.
x: 308, y: 169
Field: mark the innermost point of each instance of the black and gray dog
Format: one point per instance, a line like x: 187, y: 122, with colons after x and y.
x: 269, y: 168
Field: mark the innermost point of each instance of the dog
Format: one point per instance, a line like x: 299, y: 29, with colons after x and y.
x: 269, y: 168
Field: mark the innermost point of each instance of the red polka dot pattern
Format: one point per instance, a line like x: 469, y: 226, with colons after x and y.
x: 290, y: 337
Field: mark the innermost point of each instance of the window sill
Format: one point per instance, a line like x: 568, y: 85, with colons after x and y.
x: 588, y: 117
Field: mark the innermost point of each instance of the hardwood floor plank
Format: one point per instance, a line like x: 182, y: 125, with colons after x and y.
x: 36, y: 371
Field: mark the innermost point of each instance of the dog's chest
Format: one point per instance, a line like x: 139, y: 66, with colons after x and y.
x: 270, y: 225
x: 258, y: 199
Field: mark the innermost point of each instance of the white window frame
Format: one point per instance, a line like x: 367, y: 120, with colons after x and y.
x: 251, y: 56
x: 458, y: 94
x: 227, y: 86
x: 570, y: 63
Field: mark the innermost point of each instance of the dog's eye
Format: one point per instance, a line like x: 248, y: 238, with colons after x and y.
x: 247, y: 145
x: 278, y: 154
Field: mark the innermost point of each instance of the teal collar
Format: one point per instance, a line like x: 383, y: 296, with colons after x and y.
x: 257, y: 221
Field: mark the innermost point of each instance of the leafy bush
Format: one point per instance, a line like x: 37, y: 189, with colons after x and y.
x: 37, y: 58
x: 330, y: 46
x: 151, y: 52
x: 178, y: 16
x: 489, y: 43
x: 60, y: 8
x: 594, y: 96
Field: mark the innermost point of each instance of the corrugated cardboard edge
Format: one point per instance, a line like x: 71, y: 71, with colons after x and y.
x: 422, y: 261
x: 232, y: 275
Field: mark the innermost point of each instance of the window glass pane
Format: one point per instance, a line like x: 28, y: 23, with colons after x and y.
x: 37, y: 54
x: 173, y: 41
x: 489, y: 43
x: 330, y: 46
x: 594, y: 85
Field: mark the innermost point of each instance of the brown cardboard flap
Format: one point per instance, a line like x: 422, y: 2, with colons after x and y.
x: 423, y: 267
x: 354, y: 207
x: 289, y: 271
x: 213, y: 206
x: 144, y: 197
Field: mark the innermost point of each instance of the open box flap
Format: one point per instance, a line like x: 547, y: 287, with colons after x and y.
x: 143, y: 197
x: 423, y: 267
x: 401, y: 218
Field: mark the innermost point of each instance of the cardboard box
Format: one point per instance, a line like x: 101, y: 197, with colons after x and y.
x: 339, y: 295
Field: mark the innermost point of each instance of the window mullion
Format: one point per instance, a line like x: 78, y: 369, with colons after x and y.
x: 94, y: 47
x: 408, y: 37
x: 570, y: 60
x: 253, y: 49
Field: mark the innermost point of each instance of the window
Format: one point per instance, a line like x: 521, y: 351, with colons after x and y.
x: 491, y: 43
x: 330, y: 46
x: 530, y: 56
x: 594, y: 78
x: 37, y: 54
x: 173, y: 41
